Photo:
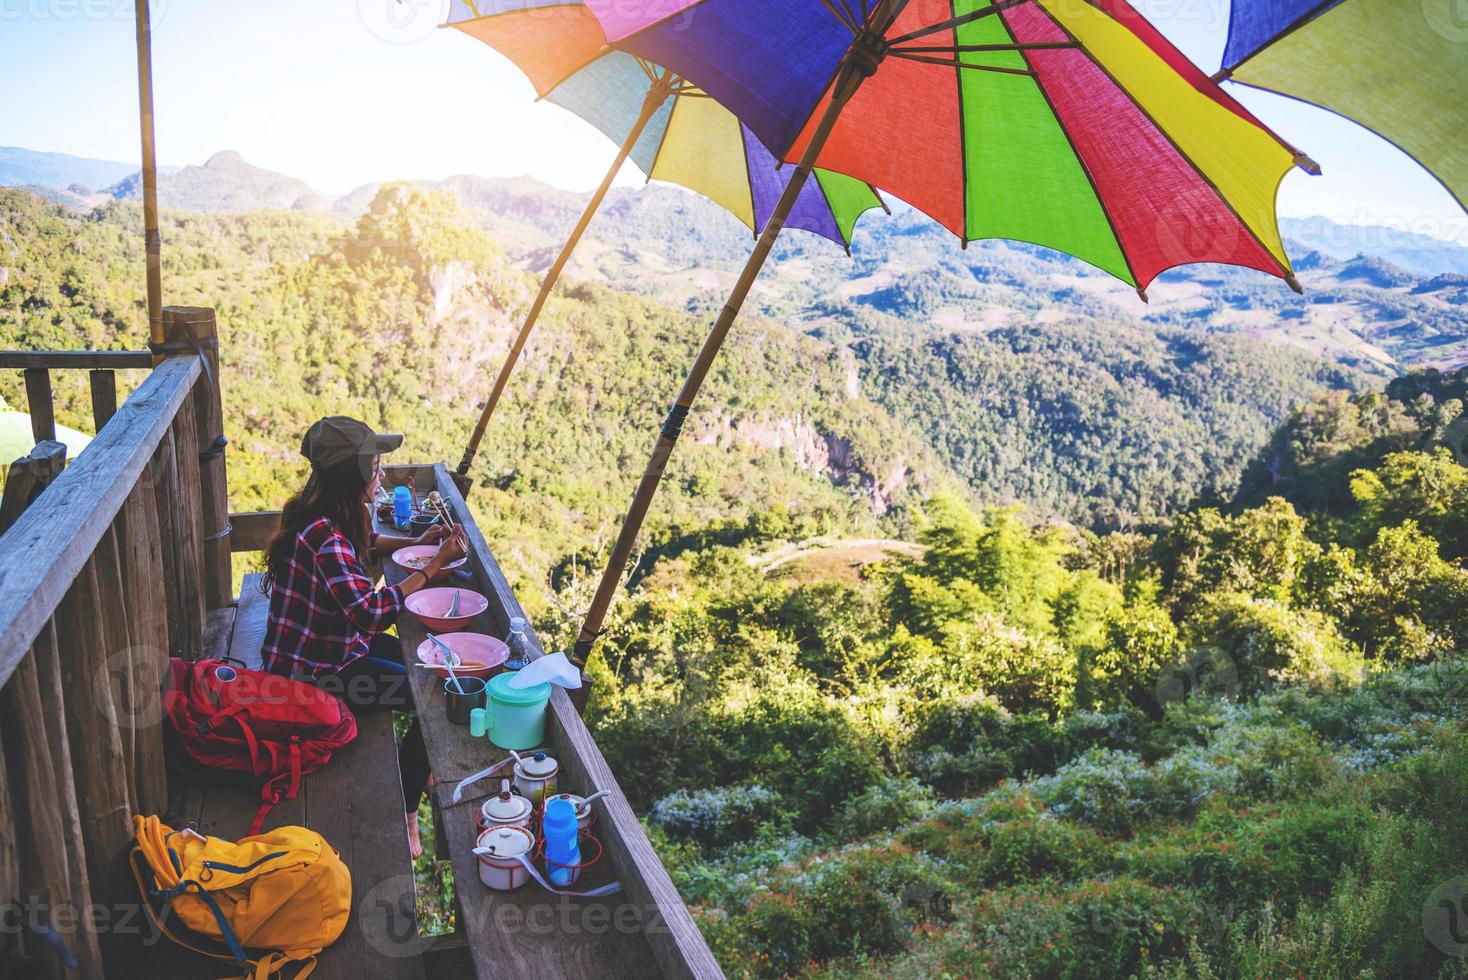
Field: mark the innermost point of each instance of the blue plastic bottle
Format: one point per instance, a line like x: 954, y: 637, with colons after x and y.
x: 518, y: 643
x: 402, y: 507
x: 562, y: 852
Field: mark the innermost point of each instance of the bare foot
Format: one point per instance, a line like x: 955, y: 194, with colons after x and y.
x: 415, y: 846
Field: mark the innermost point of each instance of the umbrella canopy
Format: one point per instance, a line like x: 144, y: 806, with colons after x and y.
x: 690, y: 140
x: 1073, y: 125
x: 1400, y: 70
x: 17, y: 439
x: 1068, y: 124
x: 671, y: 129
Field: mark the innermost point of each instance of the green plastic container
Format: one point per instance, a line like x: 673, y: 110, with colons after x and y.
x: 516, y: 716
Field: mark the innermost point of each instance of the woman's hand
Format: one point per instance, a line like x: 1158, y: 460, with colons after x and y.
x: 433, y: 535
x: 454, y: 547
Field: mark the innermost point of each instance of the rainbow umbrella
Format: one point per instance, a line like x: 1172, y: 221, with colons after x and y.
x: 1074, y: 125
x: 1400, y: 70
x: 668, y: 127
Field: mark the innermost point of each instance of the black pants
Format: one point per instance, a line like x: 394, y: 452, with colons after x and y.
x: 379, y: 682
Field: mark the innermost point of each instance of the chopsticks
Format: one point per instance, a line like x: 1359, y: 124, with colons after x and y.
x: 443, y: 512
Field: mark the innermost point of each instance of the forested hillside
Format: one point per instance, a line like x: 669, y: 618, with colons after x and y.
x: 1055, y: 642
x: 1232, y: 748
x: 404, y: 315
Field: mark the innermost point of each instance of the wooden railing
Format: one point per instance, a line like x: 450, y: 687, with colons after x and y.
x: 103, y: 577
x: 102, y: 367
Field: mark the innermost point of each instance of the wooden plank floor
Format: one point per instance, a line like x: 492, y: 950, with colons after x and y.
x: 355, y: 802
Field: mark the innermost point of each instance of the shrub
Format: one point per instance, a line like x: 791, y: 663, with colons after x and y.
x: 1116, y: 792
x: 1270, y: 644
x: 966, y: 744
x: 716, y: 817
x: 1139, y: 640
x: 803, y: 745
x: 888, y: 805
x: 1239, y: 861
x: 1109, y: 928
x: 864, y: 900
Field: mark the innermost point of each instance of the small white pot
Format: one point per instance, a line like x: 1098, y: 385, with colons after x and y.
x: 499, y: 853
x: 584, y: 814
x: 535, y: 776
x: 506, y: 810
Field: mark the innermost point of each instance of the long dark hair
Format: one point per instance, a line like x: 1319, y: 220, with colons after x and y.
x: 336, y: 492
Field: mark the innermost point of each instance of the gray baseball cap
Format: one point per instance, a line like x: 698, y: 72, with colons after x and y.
x: 337, y: 438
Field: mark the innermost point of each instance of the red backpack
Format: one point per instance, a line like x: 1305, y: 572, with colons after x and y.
x: 270, y: 728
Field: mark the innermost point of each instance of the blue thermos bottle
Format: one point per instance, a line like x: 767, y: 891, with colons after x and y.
x: 402, y: 507
x: 562, y: 852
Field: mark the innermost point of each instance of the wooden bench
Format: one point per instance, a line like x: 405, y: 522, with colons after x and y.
x: 355, y: 802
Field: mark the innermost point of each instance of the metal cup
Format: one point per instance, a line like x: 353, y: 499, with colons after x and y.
x: 460, y: 705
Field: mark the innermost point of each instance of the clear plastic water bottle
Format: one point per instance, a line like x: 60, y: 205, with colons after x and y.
x: 562, y: 851
x: 518, y: 643
x: 402, y: 507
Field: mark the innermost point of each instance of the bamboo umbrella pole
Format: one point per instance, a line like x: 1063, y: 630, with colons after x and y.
x: 657, y: 94
x: 860, y: 63
x: 153, y: 243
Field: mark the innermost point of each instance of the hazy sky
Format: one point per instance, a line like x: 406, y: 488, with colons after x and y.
x: 343, y: 92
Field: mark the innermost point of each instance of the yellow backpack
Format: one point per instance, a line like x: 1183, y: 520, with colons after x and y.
x: 284, y: 893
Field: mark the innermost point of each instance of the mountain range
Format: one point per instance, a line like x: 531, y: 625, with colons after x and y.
x: 1020, y: 372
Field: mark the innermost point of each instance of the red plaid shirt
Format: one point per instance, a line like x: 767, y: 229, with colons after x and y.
x: 323, y: 607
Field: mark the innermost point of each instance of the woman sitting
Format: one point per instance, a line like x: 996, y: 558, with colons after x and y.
x: 327, y: 624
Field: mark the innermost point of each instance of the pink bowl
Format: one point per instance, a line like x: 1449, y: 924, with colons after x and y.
x: 472, y: 648
x: 433, y: 605
x: 402, y: 556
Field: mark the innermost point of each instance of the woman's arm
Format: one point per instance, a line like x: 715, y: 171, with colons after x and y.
x: 391, y: 542
x: 371, y: 611
x: 374, y: 611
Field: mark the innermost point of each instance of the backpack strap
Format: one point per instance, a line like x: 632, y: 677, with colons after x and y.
x: 270, y: 793
x: 236, y: 953
x: 268, y: 966
x: 232, y: 714
x: 265, y: 968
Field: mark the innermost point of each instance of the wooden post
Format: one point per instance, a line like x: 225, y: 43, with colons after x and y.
x: 189, y: 528
x: 9, y: 860
x: 53, y: 724
x: 28, y: 476
x: 657, y: 94
x: 103, y: 793
x: 197, y: 326
x: 44, y: 810
x: 39, y: 404
x: 123, y: 683
x: 859, y: 63
x: 140, y: 554
x: 104, y: 396
x: 152, y: 241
